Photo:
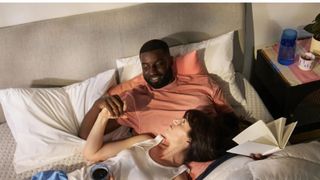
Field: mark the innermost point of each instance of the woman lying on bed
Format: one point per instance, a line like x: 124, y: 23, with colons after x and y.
x: 195, y: 137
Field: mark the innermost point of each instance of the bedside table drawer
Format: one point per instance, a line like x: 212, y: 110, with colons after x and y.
x: 272, y: 81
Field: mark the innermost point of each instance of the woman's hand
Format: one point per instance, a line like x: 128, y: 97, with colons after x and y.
x: 258, y: 156
x: 113, y: 104
x: 104, y: 114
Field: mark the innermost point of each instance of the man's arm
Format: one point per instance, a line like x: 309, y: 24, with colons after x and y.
x: 113, y: 104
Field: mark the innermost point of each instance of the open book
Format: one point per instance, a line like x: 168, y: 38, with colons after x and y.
x: 263, y: 138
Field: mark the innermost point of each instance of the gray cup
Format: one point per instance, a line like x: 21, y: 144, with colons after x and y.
x: 99, y: 171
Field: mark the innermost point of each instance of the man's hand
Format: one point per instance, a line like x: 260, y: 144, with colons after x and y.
x: 113, y: 104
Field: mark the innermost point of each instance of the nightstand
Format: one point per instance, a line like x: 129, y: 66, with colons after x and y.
x: 309, y: 112
x: 281, y: 87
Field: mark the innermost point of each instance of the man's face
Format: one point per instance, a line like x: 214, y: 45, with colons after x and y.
x: 156, y: 68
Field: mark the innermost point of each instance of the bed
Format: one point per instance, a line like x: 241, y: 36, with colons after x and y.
x: 62, y: 57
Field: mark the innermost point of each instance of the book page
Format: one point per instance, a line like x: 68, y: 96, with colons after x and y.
x: 254, y: 132
x: 251, y: 147
x: 287, y: 133
x: 277, y: 128
x: 264, y: 140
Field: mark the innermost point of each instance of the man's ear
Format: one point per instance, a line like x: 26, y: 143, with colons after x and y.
x: 170, y: 61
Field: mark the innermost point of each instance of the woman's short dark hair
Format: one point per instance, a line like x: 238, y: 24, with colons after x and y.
x: 154, y: 44
x: 210, y: 136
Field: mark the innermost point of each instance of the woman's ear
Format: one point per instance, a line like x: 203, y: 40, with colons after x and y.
x: 175, y: 121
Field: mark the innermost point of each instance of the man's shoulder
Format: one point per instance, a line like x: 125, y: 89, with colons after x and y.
x: 198, y: 82
x: 201, y: 79
x: 127, y: 85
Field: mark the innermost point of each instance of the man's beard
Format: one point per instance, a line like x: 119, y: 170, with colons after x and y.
x: 165, y: 80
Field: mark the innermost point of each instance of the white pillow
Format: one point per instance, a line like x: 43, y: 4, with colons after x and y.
x: 128, y: 67
x: 83, y: 95
x: 45, y: 122
x: 218, y: 53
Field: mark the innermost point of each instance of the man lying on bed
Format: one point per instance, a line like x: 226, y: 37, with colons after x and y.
x: 161, y: 96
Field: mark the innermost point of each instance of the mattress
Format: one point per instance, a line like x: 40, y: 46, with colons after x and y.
x: 254, y: 109
x: 7, y: 148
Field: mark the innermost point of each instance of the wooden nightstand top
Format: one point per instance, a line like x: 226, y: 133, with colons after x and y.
x: 292, y: 74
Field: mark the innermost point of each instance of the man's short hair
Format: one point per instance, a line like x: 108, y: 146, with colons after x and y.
x: 155, y: 44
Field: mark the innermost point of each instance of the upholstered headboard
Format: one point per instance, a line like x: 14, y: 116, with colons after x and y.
x: 77, y: 47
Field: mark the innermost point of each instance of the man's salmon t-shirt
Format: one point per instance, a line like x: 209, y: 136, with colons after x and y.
x: 152, y: 110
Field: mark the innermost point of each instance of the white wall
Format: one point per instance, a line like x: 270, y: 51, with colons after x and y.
x: 18, y: 13
x: 270, y: 18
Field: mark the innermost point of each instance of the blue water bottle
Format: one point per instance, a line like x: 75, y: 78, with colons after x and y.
x: 287, y: 47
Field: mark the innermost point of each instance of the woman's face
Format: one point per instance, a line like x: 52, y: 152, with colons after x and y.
x: 177, y: 133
